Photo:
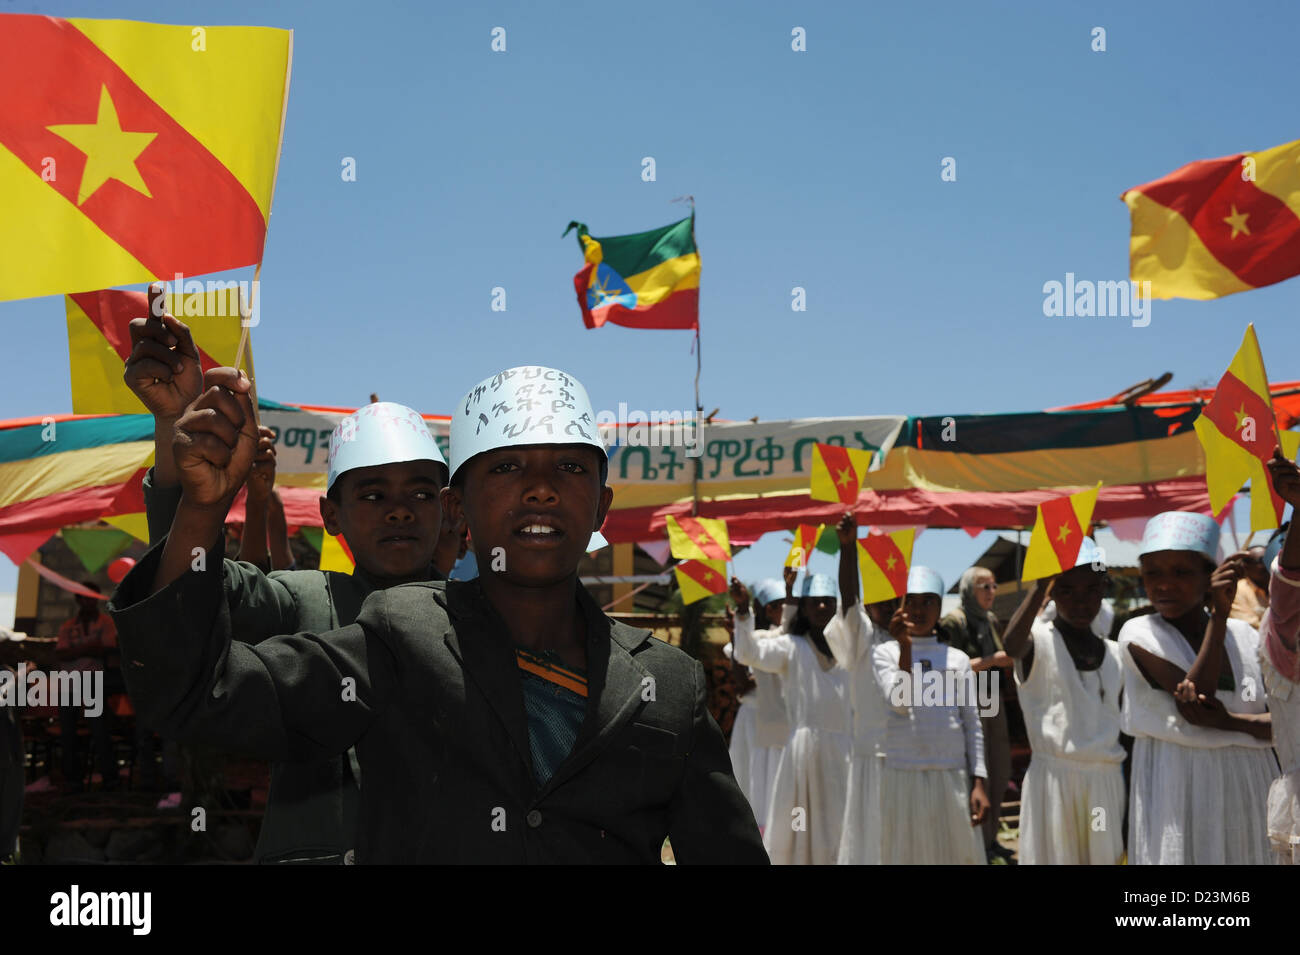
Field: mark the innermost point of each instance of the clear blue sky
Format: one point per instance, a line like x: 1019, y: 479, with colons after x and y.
x: 818, y: 169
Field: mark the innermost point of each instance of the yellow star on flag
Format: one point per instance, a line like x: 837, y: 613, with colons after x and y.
x: 110, y: 151
x: 1242, y: 415
x: 890, y: 562
x: 1063, y: 532
x: 846, y: 477
x: 1238, y: 222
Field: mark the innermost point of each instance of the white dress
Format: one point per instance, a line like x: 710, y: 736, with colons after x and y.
x: 806, y: 805
x: 1282, y: 681
x: 1072, y: 798
x: 852, y: 637
x: 1197, y: 796
x: 932, y: 747
x: 759, y: 733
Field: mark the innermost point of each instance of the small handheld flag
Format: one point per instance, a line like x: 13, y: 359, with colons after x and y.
x: 1061, y: 525
x: 700, y: 538
x: 335, y: 554
x: 698, y: 579
x: 837, y: 473
x: 883, y: 562
x: 1238, y: 431
x: 805, y: 542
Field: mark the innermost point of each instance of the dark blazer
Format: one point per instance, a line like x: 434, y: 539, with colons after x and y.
x: 426, y: 686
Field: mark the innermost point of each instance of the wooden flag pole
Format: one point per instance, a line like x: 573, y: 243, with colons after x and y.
x: 246, y: 342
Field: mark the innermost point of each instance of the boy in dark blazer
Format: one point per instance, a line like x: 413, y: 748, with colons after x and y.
x: 504, y: 719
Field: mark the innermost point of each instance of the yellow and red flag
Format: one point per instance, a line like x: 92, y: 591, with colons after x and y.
x: 1218, y: 226
x: 837, y: 473
x: 883, y: 561
x: 701, y: 538
x: 805, y: 541
x: 131, y: 151
x: 1238, y: 432
x: 99, y: 341
x: 335, y: 554
x: 698, y: 579
x: 1059, y: 529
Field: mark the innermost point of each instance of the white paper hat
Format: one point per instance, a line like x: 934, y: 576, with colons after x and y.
x: 768, y: 590
x: 380, y: 433
x: 1091, y: 555
x: 525, y: 405
x: 817, y: 585
x: 923, y: 580
x: 1182, y: 530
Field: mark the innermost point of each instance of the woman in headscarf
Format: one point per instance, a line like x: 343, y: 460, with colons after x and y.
x: 973, y: 629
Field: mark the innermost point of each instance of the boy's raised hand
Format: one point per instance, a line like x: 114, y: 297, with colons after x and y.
x: 740, y: 596
x: 1286, y: 477
x: 788, y: 575
x: 163, y: 368
x: 847, y: 530
x: 1223, y: 582
x: 261, y: 481
x: 898, y: 624
x: 216, y: 440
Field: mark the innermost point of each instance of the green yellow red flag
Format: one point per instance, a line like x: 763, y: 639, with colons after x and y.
x: 647, y: 280
x: 698, y: 579
x: 99, y: 340
x: 1218, y: 226
x: 837, y: 473
x: 883, y: 561
x: 1059, y: 529
x: 805, y: 542
x: 700, y: 538
x: 1238, y: 431
x: 131, y: 151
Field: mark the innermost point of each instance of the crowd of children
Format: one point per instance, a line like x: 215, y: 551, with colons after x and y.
x: 508, y: 719
x: 1206, y: 703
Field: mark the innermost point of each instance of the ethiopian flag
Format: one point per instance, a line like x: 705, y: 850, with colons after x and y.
x: 1238, y: 432
x: 1061, y: 525
x: 133, y: 151
x: 883, y: 561
x: 99, y: 340
x: 647, y: 280
x: 1218, y: 226
x: 698, y: 579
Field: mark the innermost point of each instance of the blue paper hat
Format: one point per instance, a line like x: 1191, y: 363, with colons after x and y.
x: 521, y: 406
x: 923, y: 580
x: 817, y: 585
x: 380, y: 433
x: 766, y: 591
x: 1182, y: 530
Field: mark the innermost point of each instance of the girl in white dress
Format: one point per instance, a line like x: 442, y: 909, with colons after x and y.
x: 759, y: 732
x: 852, y: 636
x: 1072, y: 799
x: 806, y: 805
x: 1193, y: 702
x: 932, y: 796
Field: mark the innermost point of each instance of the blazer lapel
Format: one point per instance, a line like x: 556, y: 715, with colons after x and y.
x: 478, y: 641
x: 614, y: 687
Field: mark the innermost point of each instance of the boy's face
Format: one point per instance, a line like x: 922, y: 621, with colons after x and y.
x: 1078, y: 594
x: 923, y: 613
x: 1175, y: 581
x: 820, y: 611
x: 531, y: 509
x: 773, y: 612
x: 390, y: 515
